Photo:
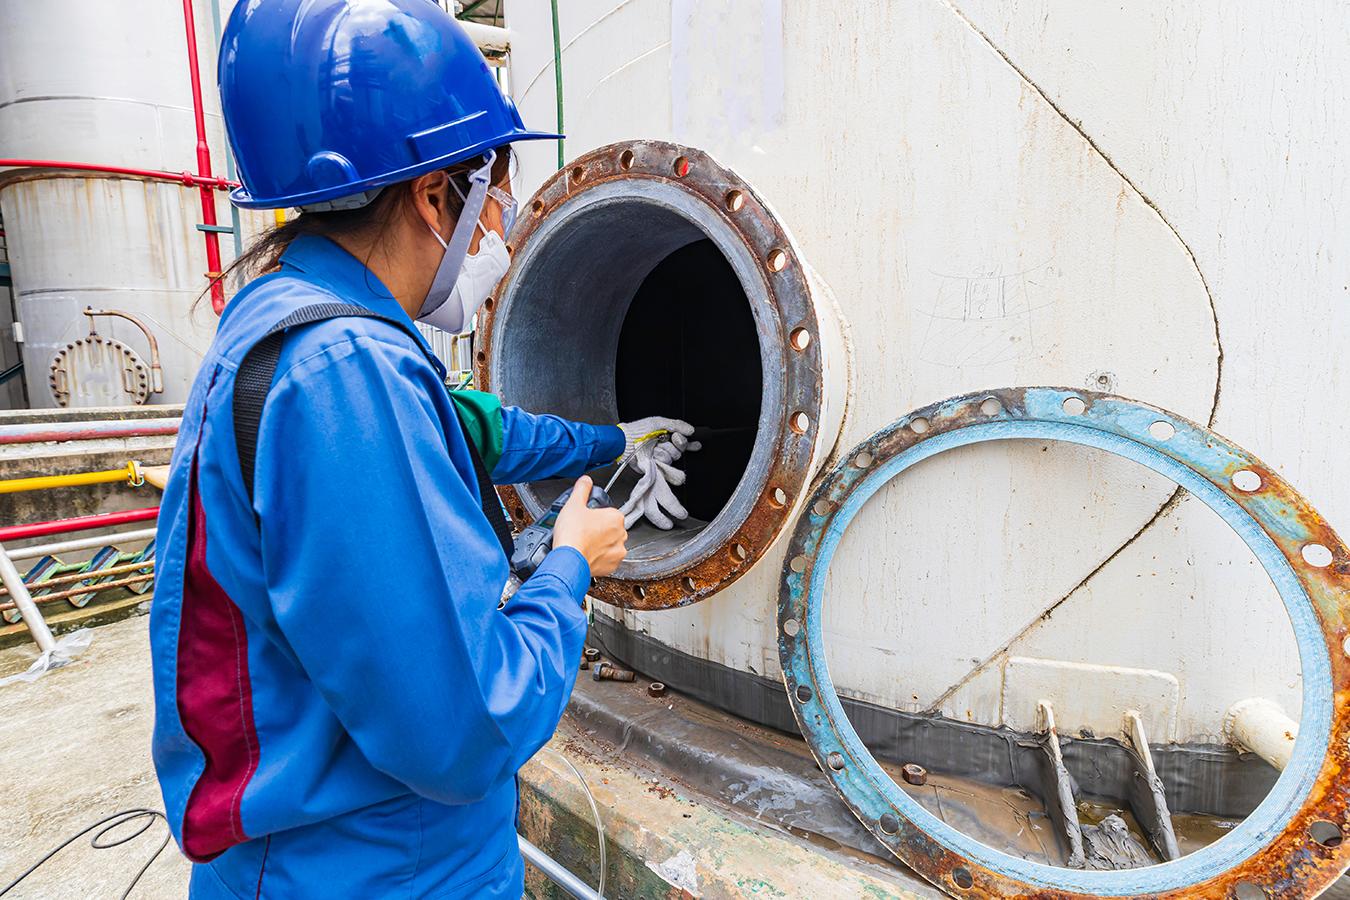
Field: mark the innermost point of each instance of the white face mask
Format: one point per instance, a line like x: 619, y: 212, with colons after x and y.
x: 478, y: 275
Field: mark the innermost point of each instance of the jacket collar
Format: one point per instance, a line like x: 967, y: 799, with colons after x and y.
x: 322, y: 260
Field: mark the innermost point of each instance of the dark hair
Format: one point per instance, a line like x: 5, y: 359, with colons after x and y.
x: 264, y: 254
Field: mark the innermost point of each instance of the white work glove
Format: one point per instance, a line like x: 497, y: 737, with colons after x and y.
x: 633, y: 432
x: 652, y: 496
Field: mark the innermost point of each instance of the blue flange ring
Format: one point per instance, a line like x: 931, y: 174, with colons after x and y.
x: 1274, y: 850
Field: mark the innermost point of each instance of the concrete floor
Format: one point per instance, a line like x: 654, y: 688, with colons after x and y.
x: 76, y: 748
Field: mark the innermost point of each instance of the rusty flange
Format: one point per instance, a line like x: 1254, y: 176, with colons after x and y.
x: 788, y: 434
x: 1291, y: 846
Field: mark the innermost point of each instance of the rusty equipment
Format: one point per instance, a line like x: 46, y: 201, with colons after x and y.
x: 1291, y: 846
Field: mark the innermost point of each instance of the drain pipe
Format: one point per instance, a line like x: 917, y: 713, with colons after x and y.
x: 1258, y: 725
x: 23, y: 601
x: 208, y: 226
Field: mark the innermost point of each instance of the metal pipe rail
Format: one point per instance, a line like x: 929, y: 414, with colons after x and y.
x: 80, y: 523
x: 23, y: 602
x: 88, y: 543
x: 206, y: 181
x: 47, y: 432
x: 130, y: 474
x: 82, y: 575
x: 74, y: 592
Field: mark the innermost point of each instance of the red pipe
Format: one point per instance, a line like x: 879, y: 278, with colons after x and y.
x: 204, y: 166
x: 61, y: 526
x: 86, y: 434
x: 186, y: 178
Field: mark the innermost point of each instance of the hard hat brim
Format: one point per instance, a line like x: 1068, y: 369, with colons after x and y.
x: 241, y: 197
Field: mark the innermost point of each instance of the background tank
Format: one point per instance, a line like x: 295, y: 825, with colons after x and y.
x: 993, y: 198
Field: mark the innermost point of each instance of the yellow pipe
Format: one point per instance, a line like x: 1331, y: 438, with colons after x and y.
x: 131, y: 475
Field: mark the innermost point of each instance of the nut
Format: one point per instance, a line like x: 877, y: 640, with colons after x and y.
x: 591, y: 654
x: 915, y: 775
x: 656, y: 689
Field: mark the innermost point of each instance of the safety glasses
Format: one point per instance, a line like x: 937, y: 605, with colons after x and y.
x: 509, y: 206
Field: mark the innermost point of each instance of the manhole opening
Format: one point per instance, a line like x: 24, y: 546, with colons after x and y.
x: 689, y: 349
x: 624, y: 308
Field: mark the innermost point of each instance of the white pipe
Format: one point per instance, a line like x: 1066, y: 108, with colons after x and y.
x: 489, y: 38
x: 80, y: 544
x: 1261, y: 727
x: 18, y: 592
x: 555, y: 871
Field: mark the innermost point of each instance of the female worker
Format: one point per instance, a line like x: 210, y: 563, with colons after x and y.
x: 341, y: 706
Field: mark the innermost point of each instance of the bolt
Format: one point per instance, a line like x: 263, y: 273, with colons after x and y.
x: 585, y: 665
x: 915, y: 775
x: 591, y: 654
x: 606, y: 672
x: 656, y: 689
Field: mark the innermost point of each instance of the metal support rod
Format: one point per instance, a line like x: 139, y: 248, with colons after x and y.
x: 88, y: 543
x: 23, y: 601
x: 87, y: 575
x: 555, y: 871
x: 1059, y: 802
x: 80, y: 523
x: 204, y: 164
x: 557, y: 78
x: 1148, y: 798
x: 83, y: 589
x: 229, y: 156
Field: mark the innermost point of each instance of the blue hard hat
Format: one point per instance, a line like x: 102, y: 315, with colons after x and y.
x: 330, y: 98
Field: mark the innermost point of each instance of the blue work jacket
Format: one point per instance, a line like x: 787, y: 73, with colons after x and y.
x: 341, y: 707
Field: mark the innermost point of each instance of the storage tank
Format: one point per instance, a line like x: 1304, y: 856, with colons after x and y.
x: 109, y: 86
x: 796, y: 224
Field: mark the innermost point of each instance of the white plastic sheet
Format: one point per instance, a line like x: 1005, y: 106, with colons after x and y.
x: 65, y: 652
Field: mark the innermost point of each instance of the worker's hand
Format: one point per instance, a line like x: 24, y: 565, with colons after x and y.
x: 598, y: 534
x: 634, y: 432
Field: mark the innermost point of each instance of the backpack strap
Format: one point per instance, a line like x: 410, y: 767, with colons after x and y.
x: 253, y: 381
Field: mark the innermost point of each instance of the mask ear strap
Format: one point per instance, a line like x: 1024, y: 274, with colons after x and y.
x: 453, y: 260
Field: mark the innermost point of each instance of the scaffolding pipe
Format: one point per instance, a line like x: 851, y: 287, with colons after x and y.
x: 80, y: 523
x: 204, y: 166
x: 41, y: 432
x: 130, y: 474
x: 555, y: 871
x: 23, y: 602
x: 88, y: 543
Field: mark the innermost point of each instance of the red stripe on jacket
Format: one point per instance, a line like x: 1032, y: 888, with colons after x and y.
x: 215, y: 699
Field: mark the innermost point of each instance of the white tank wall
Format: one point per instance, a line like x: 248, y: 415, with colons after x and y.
x: 1149, y: 193
x: 108, y: 84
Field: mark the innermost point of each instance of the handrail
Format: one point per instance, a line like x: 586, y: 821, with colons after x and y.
x: 79, y: 523
x: 44, y: 432
x: 130, y: 473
